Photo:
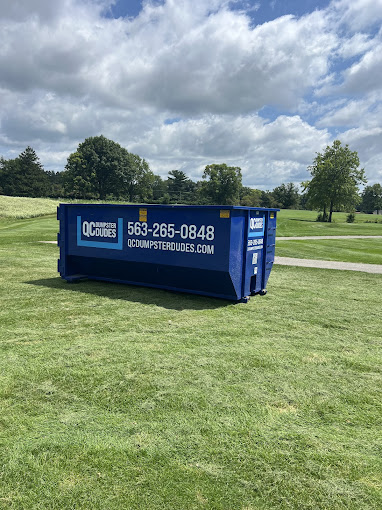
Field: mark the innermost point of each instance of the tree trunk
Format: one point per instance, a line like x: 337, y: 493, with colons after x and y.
x: 330, y: 212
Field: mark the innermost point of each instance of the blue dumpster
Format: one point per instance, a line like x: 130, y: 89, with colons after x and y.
x: 221, y: 251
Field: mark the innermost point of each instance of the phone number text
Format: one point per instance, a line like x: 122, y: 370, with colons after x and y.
x: 168, y: 230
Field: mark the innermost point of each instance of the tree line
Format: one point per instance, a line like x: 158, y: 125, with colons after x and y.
x: 102, y: 169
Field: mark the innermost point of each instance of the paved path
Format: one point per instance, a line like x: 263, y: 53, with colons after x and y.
x: 325, y: 237
x: 329, y: 264
x: 321, y: 264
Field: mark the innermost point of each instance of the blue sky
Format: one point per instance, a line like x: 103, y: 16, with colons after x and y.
x: 186, y: 83
x: 260, y: 12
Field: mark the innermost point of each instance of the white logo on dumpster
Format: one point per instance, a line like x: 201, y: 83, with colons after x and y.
x: 100, y: 234
x: 99, y: 229
x: 256, y: 223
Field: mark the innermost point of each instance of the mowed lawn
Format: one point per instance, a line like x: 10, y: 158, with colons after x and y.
x: 366, y: 251
x: 121, y: 397
x: 303, y: 223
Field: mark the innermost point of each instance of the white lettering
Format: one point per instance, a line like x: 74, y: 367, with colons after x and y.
x: 99, y: 229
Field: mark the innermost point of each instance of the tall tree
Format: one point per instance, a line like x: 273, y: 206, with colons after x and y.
x: 101, y: 168
x: 8, y: 177
x: 335, y: 179
x: 222, y: 184
x: 23, y: 176
x: 372, y: 198
x: 250, y: 197
x: 179, y: 186
x: 55, y: 184
x: 267, y: 199
x: 159, y: 189
x: 143, y: 179
x: 287, y: 196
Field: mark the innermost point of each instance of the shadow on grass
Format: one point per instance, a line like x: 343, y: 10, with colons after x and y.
x: 306, y: 221
x: 145, y: 295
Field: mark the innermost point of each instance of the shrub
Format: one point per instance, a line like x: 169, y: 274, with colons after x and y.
x: 350, y: 218
x: 322, y: 216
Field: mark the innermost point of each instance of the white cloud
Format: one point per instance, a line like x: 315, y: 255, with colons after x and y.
x: 267, y: 152
x: 68, y: 73
x: 358, y: 14
x: 356, y: 45
x: 173, y: 56
x: 367, y: 142
x: 365, y: 75
x: 355, y: 112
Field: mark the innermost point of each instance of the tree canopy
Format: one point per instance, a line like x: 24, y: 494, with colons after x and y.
x: 372, y: 198
x: 101, y: 168
x: 287, y: 196
x: 179, y: 186
x: 335, y: 179
x: 23, y: 176
x: 222, y: 184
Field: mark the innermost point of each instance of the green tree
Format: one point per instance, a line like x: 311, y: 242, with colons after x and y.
x: 141, y: 185
x: 250, y: 197
x: 222, y: 184
x: 372, y: 198
x: 335, y: 179
x: 23, y: 176
x: 8, y: 177
x: 101, y: 168
x: 55, y: 184
x: 80, y: 180
x: 159, y: 189
x: 179, y: 186
x: 268, y: 200
x: 287, y: 196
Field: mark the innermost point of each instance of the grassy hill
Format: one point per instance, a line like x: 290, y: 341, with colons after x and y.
x: 24, y: 207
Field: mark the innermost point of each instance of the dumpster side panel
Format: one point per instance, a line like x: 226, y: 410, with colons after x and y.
x: 183, y: 249
x: 209, y: 250
x: 182, y: 279
x: 162, y: 235
x: 238, y: 226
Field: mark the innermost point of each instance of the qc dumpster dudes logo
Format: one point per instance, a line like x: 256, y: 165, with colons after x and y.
x: 100, y: 234
x: 256, y: 233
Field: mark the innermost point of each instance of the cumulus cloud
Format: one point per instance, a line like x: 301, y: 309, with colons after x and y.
x: 172, y: 56
x: 358, y: 15
x: 267, y: 152
x: 366, y: 74
x: 354, y: 112
x: 69, y: 72
x: 356, y: 45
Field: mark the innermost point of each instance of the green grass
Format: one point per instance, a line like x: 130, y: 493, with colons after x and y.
x: 289, y: 222
x: 367, y: 251
x: 120, y: 397
x: 303, y: 223
x: 24, y: 207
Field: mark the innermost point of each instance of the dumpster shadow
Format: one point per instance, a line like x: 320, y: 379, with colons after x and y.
x: 145, y: 295
x: 298, y: 219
